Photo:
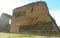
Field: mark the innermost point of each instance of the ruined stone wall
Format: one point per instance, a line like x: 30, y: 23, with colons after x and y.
x: 31, y: 14
x: 34, y: 16
x: 4, y: 22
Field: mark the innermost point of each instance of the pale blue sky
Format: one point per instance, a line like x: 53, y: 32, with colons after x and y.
x: 53, y: 4
x: 7, y: 6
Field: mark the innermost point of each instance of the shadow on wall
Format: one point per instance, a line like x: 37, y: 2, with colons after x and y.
x: 39, y: 29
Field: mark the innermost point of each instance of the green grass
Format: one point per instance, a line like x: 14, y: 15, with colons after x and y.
x: 22, y: 36
x: 25, y: 36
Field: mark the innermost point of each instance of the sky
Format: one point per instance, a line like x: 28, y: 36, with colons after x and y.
x: 6, y: 6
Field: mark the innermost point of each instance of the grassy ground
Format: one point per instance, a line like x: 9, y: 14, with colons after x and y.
x: 7, y: 35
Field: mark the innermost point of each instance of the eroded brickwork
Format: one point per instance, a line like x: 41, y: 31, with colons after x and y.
x: 32, y: 18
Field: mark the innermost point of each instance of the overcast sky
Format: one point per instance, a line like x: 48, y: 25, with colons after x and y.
x: 6, y: 6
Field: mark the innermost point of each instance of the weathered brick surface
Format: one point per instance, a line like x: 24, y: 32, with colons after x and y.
x: 32, y: 18
x: 31, y: 14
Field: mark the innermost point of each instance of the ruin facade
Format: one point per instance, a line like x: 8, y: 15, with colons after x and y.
x: 32, y: 18
x: 4, y: 22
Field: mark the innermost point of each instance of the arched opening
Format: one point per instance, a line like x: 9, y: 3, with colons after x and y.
x: 9, y: 21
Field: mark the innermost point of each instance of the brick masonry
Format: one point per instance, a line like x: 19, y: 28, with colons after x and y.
x: 32, y: 18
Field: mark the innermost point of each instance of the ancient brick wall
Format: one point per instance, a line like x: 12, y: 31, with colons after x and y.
x: 30, y: 15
